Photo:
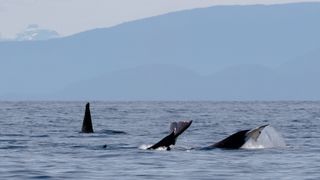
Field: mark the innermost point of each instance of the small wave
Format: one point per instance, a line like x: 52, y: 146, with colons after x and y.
x: 107, y: 131
x: 41, y: 177
x: 116, y: 147
x: 112, y: 109
x: 14, y: 147
x: 40, y: 136
x: 12, y: 135
x: 183, y: 148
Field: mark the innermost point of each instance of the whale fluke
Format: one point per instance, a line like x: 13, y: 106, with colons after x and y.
x: 238, y: 139
x: 179, y: 127
x: 165, y: 142
x: 87, y: 123
x: 176, y: 128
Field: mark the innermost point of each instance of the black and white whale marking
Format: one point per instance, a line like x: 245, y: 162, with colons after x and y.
x: 176, y: 129
x: 87, y: 122
x: 238, y: 139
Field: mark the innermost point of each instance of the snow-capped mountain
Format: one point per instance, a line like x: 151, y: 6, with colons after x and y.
x: 34, y: 32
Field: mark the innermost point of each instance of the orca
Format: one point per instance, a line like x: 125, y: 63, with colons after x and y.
x: 238, y: 139
x: 87, y: 123
x: 176, y: 129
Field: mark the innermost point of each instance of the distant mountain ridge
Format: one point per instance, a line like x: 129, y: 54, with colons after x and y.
x: 231, y: 52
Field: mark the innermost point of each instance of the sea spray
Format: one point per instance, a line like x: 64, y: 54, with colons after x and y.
x: 268, y: 138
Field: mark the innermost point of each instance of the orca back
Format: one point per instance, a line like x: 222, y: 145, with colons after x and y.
x: 235, y: 141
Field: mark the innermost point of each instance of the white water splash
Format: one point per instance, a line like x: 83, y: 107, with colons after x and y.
x: 146, y: 146
x: 268, y: 138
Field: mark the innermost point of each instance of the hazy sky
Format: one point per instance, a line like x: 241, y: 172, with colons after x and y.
x: 72, y: 16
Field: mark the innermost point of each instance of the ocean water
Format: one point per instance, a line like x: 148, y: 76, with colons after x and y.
x: 41, y: 140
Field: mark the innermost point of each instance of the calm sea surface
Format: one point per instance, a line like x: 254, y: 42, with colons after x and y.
x: 41, y: 140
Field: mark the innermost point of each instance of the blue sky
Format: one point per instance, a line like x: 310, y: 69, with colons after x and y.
x: 72, y: 16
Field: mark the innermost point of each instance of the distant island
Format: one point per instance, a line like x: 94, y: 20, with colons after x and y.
x: 254, y: 52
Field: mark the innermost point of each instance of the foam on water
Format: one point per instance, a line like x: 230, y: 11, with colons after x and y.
x: 268, y: 138
x: 145, y: 146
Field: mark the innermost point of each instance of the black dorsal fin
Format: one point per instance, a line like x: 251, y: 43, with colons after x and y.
x: 87, y: 123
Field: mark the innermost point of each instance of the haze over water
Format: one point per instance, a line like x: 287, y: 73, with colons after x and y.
x: 41, y: 140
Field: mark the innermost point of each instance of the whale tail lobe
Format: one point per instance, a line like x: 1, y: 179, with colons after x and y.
x: 87, y: 123
x: 255, y: 133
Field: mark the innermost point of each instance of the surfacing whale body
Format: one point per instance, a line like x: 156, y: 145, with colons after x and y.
x: 87, y: 123
x: 176, y: 129
x: 238, y: 139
